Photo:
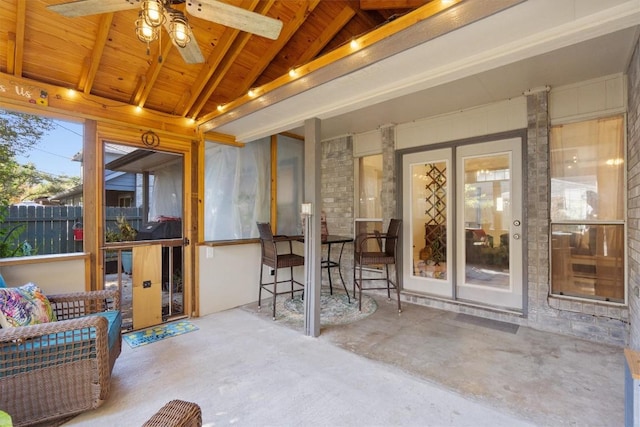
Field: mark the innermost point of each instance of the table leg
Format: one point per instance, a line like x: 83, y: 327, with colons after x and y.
x: 340, y: 271
x: 329, y: 265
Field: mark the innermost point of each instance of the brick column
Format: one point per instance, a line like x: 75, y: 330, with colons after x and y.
x: 389, y: 196
x: 633, y: 200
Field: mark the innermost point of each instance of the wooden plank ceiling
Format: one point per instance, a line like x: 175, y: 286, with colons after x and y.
x: 101, y: 55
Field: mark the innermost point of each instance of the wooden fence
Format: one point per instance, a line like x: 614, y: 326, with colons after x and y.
x: 50, y: 229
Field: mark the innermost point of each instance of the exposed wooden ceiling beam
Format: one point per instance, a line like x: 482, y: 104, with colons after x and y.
x: 11, y: 52
x: 285, y: 35
x: 137, y: 92
x: 368, y: 17
x: 21, y: 13
x: 142, y: 93
x: 211, y: 64
x: 327, y: 34
x: 80, y: 105
x: 330, y: 65
x: 226, y: 63
x: 89, y: 73
x: 391, y: 4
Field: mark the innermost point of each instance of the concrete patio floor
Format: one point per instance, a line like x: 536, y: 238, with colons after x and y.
x: 424, y: 367
x: 545, y: 378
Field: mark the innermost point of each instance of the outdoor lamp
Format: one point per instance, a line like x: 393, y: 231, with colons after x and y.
x: 153, y: 12
x: 145, y: 32
x: 179, y: 29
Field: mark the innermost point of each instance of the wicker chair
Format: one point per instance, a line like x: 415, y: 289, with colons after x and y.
x: 275, y: 259
x: 53, y: 370
x: 386, y: 254
x: 177, y: 413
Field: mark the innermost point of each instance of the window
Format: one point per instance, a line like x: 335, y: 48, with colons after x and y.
x: 40, y: 185
x: 369, y: 188
x: 290, y: 179
x: 587, y: 209
x: 238, y: 189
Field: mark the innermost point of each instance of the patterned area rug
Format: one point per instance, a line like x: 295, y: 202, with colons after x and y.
x: 157, y: 333
x: 334, y: 309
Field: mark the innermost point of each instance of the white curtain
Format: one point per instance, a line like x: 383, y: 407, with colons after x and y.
x: 166, y: 198
x: 237, y: 190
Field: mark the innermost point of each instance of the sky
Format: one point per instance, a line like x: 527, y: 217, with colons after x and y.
x: 54, y: 152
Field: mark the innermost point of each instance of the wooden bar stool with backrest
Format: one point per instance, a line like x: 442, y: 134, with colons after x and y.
x: 276, y: 259
x: 387, y: 254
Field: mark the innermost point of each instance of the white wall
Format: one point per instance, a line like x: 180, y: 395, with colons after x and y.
x: 54, y: 274
x: 482, y: 120
x: 583, y: 100
x: 228, y: 276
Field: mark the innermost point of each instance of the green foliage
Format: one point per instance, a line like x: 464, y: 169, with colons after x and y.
x: 32, y: 183
x: 19, y: 133
x: 5, y: 419
x: 10, y: 244
x: 124, y: 232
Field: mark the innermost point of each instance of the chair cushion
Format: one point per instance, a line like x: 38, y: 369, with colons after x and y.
x: 24, y: 305
x: 52, y: 349
x: 114, y: 317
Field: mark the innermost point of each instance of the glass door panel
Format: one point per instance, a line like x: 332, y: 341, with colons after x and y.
x: 489, y: 217
x: 427, y: 218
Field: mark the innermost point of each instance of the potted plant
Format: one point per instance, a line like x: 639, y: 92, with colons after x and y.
x: 124, y: 233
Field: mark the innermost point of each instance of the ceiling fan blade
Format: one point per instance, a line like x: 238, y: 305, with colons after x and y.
x: 191, y: 53
x: 235, y: 17
x: 92, y: 7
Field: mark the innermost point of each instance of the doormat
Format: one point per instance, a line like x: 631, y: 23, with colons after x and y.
x: 157, y: 333
x: 488, y: 323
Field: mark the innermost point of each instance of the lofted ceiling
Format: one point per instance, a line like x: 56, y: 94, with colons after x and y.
x: 100, y: 54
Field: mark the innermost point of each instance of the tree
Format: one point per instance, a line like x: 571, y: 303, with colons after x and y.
x: 30, y: 184
x: 19, y: 132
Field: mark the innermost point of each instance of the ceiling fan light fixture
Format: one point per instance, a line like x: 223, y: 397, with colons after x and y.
x: 153, y: 12
x: 145, y: 32
x: 179, y: 29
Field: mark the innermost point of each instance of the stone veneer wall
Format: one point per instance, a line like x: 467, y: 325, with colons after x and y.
x: 337, y: 195
x: 389, y: 175
x: 337, y: 184
x: 594, y: 321
x: 633, y: 200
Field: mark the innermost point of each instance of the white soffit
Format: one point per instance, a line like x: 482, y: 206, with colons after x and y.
x: 524, y: 31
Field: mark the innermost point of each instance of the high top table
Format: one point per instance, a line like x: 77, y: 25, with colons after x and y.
x: 328, y: 263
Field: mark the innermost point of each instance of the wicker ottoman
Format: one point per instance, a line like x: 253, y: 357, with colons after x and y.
x: 176, y: 413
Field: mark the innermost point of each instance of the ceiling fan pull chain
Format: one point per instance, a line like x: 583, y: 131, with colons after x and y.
x: 160, y: 48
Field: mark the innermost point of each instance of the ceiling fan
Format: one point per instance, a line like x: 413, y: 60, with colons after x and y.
x: 156, y: 13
